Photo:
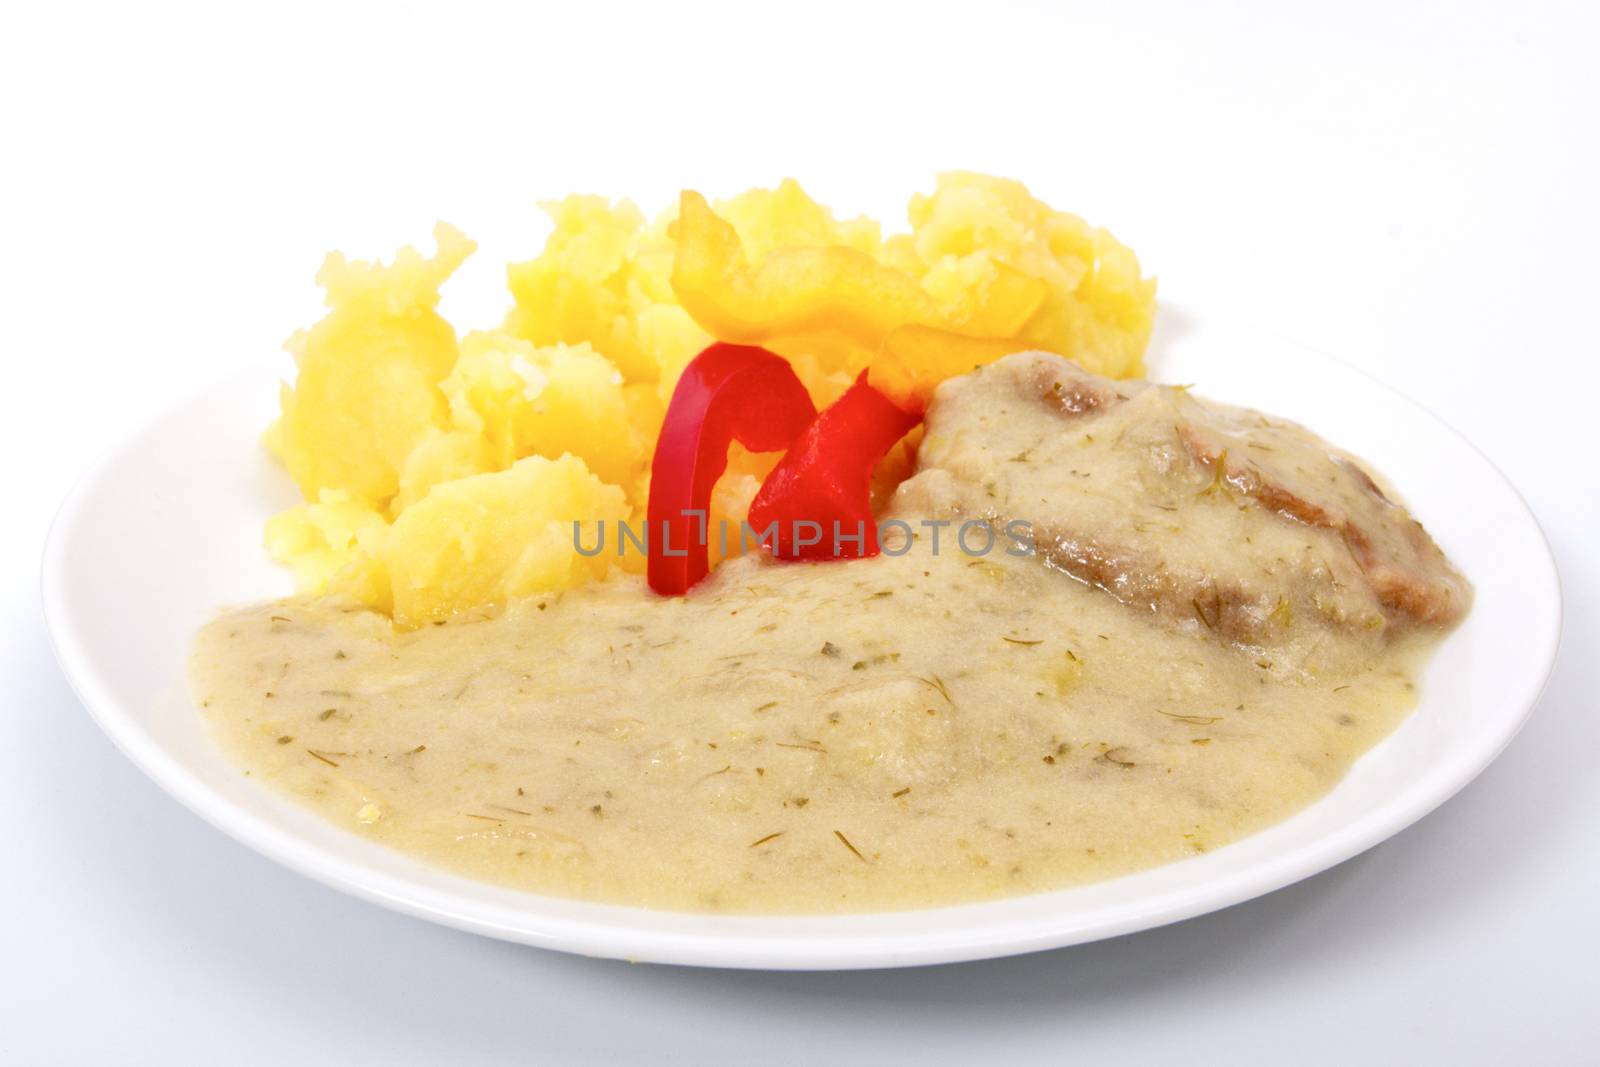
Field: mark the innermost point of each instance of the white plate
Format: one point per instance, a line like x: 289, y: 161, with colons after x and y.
x: 167, y: 529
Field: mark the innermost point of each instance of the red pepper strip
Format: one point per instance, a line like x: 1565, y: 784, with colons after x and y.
x: 727, y: 393
x: 819, y: 494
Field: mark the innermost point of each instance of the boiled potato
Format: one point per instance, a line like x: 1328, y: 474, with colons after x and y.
x: 321, y: 538
x: 366, y: 391
x: 979, y: 243
x: 602, y: 279
x: 767, y: 220
x: 478, y: 542
x: 524, y: 400
x: 443, y: 456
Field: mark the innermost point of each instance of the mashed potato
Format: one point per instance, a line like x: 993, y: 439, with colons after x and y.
x: 443, y: 474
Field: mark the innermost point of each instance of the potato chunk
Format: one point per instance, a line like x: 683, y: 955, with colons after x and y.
x: 443, y: 456
x: 982, y: 246
x: 367, y: 389
x: 524, y: 400
x: 478, y: 542
x: 602, y: 279
x: 320, y: 539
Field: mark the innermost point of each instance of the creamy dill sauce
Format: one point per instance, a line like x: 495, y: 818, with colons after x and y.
x: 889, y: 733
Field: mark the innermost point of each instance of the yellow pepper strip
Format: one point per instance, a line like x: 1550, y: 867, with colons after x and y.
x: 913, y: 360
x: 838, y: 291
x: 792, y: 291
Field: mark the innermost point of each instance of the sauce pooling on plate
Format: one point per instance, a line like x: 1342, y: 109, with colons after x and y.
x: 1219, y: 615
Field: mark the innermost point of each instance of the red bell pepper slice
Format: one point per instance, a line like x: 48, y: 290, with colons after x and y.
x: 824, y: 480
x: 727, y: 393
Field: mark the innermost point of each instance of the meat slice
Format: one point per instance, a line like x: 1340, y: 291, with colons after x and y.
x: 1408, y: 573
x: 1218, y: 518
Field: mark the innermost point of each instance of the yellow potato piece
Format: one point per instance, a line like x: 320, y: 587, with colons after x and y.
x: 601, y: 279
x: 319, y: 539
x: 443, y: 456
x: 975, y: 239
x: 786, y: 217
x: 367, y: 388
x: 478, y: 542
x: 523, y: 400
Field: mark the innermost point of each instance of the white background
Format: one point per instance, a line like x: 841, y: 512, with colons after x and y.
x: 1411, y: 187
